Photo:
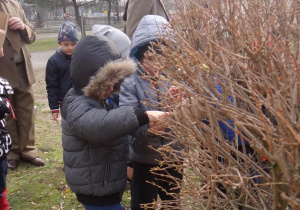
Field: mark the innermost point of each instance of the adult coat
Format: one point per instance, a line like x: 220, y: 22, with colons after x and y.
x: 8, y: 68
x: 137, y: 9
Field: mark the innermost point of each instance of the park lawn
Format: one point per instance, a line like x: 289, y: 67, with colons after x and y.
x: 43, y: 45
x: 37, y: 188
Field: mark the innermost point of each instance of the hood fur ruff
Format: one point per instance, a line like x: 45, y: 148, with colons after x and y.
x: 113, y: 73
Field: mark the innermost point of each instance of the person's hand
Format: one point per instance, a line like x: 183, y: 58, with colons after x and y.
x: 1, y: 52
x: 15, y: 23
x: 155, y: 115
x: 55, y: 116
x: 157, y: 120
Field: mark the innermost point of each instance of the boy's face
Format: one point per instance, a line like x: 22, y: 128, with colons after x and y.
x: 107, y: 93
x: 67, y: 47
x: 149, y: 66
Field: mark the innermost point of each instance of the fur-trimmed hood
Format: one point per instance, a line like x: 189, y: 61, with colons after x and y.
x: 89, y: 56
x: 113, y: 73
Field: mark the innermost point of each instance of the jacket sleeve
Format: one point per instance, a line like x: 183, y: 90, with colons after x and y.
x: 52, y: 84
x: 97, y: 125
x: 29, y: 33
x: 137, y: 9
x: 128, y: 97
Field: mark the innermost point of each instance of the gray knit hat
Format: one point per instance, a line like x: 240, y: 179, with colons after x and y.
x: 67, y: 32
x: 119, y: 38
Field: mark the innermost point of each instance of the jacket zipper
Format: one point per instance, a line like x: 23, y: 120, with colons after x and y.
x: 106, y: 172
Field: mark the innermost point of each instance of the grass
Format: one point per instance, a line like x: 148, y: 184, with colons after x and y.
x: 37, y: 188
x: 43, y: 44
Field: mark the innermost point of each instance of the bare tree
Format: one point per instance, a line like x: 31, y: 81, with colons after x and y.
x: 76, y: 5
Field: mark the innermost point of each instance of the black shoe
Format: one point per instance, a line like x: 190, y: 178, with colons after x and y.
x: 37, y: 162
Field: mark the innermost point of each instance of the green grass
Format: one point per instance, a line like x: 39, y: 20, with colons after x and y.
x: 43, y: 44
x: 37, y: 188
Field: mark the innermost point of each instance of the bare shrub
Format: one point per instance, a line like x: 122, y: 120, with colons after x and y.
x: 233, y: 61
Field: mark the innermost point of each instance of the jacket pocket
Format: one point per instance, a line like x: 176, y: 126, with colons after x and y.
x: 107, y: 171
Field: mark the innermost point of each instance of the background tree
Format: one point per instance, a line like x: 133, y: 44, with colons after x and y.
x: 109, y: 5
x: 39, y: 21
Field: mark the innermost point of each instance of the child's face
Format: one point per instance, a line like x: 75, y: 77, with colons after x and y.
x: 109, y: 90
x: 67, y: 47
x: 149, y: 66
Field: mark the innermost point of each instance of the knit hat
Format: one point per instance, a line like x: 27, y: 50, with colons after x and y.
x: 119, y: 38
x: 67, y: 32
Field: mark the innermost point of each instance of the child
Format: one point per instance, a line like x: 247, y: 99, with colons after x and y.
x: 58, y: 79
x: 5, y: 140
x: 135, y: 91
x: 94, y: 147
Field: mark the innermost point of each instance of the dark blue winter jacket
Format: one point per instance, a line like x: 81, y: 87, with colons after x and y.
x: 227, y: 128
x: 58, y: 79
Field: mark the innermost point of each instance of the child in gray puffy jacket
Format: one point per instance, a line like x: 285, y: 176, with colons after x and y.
x: 94, y: 147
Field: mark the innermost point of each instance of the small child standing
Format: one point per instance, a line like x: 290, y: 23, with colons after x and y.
x: 5, y: 140
x: 135, y: 91
x: 58, y: 80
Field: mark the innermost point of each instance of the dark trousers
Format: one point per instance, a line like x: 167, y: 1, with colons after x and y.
x: 3, y: 172
x: 143, y: 192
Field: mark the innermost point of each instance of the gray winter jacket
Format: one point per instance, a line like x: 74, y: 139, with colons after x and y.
x: 135, y: 91
x: 94, y: 150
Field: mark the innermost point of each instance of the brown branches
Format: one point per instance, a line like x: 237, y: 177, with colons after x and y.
x: 236, y: 64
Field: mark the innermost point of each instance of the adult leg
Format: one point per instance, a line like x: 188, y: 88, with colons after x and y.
x: 141, y: 191
x: 22, y: 128
x: 12, y: 127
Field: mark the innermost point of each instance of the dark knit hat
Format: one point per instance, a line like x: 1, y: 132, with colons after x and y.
x: 67, y: 32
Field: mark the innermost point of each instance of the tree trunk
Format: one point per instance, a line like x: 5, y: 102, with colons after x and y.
x: 78, y: 18
x: 116, y: 5
x: 109, y: 13
x: 64, y: 11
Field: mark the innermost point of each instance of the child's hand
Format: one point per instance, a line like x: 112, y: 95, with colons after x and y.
x: 157, y: 120
x: 55, y: 116
x: 1, y: 52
